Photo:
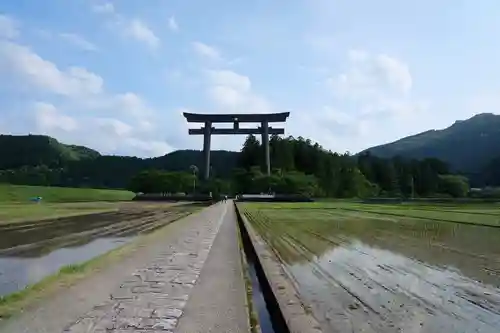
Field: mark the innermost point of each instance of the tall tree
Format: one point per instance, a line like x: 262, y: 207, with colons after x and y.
x: 250, y: 153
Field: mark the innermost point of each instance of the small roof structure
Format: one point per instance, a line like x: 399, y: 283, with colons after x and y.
x: 235, y: 117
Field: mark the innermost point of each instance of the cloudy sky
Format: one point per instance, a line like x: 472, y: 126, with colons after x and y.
x: 117, y: 75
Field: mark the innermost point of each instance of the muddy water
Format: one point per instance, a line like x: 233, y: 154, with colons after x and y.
x: 31, y: 251
x: 369, y: 274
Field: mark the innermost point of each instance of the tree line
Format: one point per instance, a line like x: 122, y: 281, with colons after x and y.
x: 300, y: 166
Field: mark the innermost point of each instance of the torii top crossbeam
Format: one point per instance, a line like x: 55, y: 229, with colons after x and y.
x: 235, y: 117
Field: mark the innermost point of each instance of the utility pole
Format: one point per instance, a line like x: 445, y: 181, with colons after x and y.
x: 412, y: 187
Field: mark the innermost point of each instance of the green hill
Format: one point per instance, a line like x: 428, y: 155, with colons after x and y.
x: 298, y: 165
x: 36, y: 150
x: 467, y: 146
x: 42, y: 160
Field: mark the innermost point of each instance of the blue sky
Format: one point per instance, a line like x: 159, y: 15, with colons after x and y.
x: 117, y: 75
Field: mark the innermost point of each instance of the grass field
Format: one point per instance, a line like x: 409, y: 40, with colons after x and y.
x: 383, y: 265
x: 21, y: 212
x: 15, y: 204
x: 22, y: 193
x: 482, y: 214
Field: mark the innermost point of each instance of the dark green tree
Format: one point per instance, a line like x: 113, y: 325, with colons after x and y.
x: 453, y: 185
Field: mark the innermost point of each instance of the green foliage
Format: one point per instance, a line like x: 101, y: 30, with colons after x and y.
x: 467, y: 146
x: 403, y: 177
x: 253, y: 154
x: 216, y: 187
x: 38, y: 150
x: 299, y: 166
x: 491, y: 172
x: 157, y: 181
x: 43, y: 161
x: 292, y: 182
x: 456, y: 186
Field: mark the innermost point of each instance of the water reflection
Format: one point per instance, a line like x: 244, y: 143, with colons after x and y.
x: 366, y: 273
x: 48, y: 235
x: 16, y: 273
x: 473, y: 250
x: 360, y: 288
x: 30, y: 251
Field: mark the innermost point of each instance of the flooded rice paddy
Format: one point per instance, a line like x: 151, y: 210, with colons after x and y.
x: 366, y: 271
x: 31, y: 251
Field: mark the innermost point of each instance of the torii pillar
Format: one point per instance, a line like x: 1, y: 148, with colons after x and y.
x: 207, y: 137
x: 207, y: 131
x: 265, y: 143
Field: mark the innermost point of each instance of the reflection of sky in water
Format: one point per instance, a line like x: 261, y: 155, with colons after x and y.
x: 259, y: 302
x: 408, y: 293
x: 17, y: 273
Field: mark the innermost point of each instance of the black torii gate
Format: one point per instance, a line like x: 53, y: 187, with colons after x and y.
x: 207, y: 131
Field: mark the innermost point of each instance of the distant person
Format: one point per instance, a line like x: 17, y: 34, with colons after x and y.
x: 225, y: 198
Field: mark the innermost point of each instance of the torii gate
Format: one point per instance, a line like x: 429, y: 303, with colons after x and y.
x: 207, y: 131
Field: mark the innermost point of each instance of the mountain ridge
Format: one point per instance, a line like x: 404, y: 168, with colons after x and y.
x: 466, y: 145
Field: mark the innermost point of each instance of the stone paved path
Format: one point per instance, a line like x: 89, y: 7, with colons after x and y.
x: 153, y: 297
x: 216, y: 302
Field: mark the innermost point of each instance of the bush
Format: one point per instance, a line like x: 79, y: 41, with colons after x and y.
x: 455, y: 186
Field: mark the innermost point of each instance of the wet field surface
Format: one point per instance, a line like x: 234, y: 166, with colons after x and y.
x: 366, y: 272
x: 30, y: 251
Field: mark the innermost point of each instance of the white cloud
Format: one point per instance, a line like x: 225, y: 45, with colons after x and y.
x: 113, y: 123
x: 373, y: 74
x: 45, y: 75
x: 132, y: 28
x: 370, y: 95
x: 375, y: 83
x: 78, y: 41
x: 71, y: 38
x: 206, y: 51
x: 231, y: 92
x: 115, y: 136
x: 149, y: 147
x: 133, y: 105
x: 106, y: 7
x: 140, y: 31
x: 49, y: 118
x: 115, y: 126
x: 226, y: 97
x: 172, y: 24
x: 9, y: 27
x: 230, y: 79
x: 397, y: 74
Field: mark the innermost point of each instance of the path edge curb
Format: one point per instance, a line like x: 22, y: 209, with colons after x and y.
x: 297, y: 318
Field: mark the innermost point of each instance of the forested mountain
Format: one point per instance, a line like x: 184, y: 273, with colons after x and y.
x: 338, y: 175
x: 42, y: 160
x: 35, y: 150
x: 467, y: 146
x: 298, y: 166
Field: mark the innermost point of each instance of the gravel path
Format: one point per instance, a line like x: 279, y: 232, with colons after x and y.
x: 148, y: 291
